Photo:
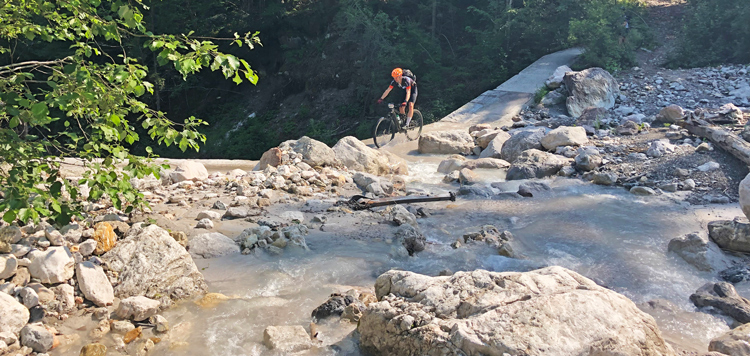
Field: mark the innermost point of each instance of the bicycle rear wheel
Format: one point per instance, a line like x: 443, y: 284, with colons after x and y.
x: 383, y: 132
x: 414, y: 130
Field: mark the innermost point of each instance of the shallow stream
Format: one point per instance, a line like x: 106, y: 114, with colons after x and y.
x: 617, y: 239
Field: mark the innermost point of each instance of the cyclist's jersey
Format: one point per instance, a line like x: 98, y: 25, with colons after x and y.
x: 406, y: 83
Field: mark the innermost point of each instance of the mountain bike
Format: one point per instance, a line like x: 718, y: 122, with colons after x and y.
x: 387, y: 127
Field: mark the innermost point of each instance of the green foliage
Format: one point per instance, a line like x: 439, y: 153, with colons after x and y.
x: 540, y: 93
x: 714, y: 31
x: 84, y: 106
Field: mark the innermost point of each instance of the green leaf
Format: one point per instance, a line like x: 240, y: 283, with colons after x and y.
x: 233, y: 62
x: 9, y: 216
x: 14, y: 122
x: 115, y: 119
x: 55, y: 189
x: 237, y: 80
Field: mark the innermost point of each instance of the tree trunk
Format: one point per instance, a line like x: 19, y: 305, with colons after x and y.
x: 729, y: 141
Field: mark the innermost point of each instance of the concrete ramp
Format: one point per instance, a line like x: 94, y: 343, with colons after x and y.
x: 496, y: 107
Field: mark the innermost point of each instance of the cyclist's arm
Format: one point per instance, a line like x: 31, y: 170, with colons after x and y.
x: 385, y: 93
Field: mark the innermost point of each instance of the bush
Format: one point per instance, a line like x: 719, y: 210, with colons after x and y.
x: 714, y: 31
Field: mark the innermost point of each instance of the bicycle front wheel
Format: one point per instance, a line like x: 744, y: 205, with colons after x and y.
x: 414, y: 130
x: 383, y: 132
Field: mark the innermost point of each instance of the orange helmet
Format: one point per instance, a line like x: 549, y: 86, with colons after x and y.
x: 397, y: 73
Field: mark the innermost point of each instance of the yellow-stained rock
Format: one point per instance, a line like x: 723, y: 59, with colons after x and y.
x: 105, y: 238
x: 132, y: 335
x: 94, y: 349
x: 180, y: 237
x: 211, y: 300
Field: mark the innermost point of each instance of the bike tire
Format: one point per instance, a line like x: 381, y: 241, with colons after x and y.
x: 383, y: 132
x: 415, y: 126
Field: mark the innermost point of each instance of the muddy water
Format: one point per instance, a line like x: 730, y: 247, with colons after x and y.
x: 606, y: 234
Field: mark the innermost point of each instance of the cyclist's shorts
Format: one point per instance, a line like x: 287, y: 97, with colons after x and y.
x: 413, y: 96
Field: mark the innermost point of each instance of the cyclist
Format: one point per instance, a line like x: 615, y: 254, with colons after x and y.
x: 409, y: 85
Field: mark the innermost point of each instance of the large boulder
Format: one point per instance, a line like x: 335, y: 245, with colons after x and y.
x: 519, y: 141
x: 150, y: 262
x: 452, y: 163
x: 94, y: 284
x: 313, y: 152
x: 212, y: 244
x: 494, y: 147
x: 484, y: 140
x: 551, y: 311
x: 355, y: 155
x: 745, y: 195
x: 446, y: 142
x: 56, y: 265
x: 189, y: 170
x: 730, y: 235
x: 13, y: 315
x: 565, y: 136
x: 535, y: 164
x: 593, y: 87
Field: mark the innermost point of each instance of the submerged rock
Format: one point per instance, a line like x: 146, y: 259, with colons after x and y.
x: 725, y: 298
x: 551, y: 311
x: 287, y: 338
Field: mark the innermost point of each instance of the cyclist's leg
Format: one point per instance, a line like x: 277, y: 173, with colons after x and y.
x: 412, y: 101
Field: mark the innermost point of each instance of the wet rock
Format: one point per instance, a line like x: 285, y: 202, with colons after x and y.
x: 605, y: 178
x: 733, y: 342
x: 467, y: 177
x: 334, y: 306
x: 353, y: 312
x: 355, y: 155
x: 723, y: 297
x: 694, y: 249
x: 521, y: 141
x: 160, y: 323
x: 451, y: 177
x: 493, y: 149
x: 8, y: 266
x: 55, y: 265
x: 94, y: 284
x: 593, y: 87
x: 730, y: 235
x: 529, y: 189
x: 552, y: 308
x: 534, y: 163
x: 564, y: 136
x: 95, y: 349
x: 446, y: 142
x: 736, y: 274
x: 668, y: 187
x: 37, y: 337
x: 189, y: 171
x: 401, y: 216
x: 641, y: 190
x: 137, y: 308
x: 150, y: 262
x: 671, y: 114
x: 211, y: 245
x: 104, y: 235
x: 287, y: 338
x: 450, y: 164
x: 485, y: 163
x: 411, y: 238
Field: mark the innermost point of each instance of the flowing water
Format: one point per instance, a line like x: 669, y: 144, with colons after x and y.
x: 613, y: 237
